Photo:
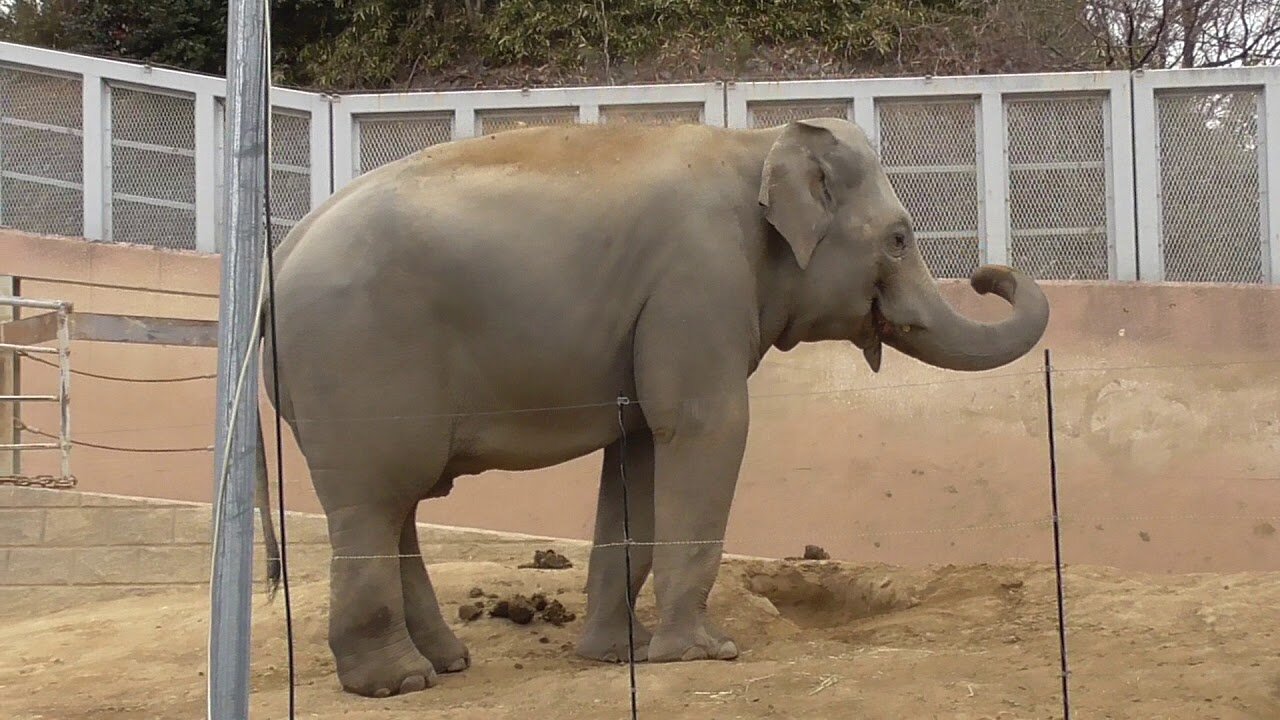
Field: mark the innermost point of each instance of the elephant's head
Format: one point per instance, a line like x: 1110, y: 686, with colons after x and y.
x: 861, y: 276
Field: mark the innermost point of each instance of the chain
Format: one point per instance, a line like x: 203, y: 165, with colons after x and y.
x: 43, y: 481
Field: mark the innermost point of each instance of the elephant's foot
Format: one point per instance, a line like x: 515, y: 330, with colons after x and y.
x: 446, y: 652
x: 609, y: 643
x: 393, y: 671
x: 701, y: 642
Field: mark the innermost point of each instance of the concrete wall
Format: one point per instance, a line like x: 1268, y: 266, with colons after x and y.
x: 1167, y: 411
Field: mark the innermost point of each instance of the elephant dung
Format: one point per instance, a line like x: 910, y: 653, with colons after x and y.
x: 548, y: 560
x: 556, y: 614
x: 813, y: 552
x: 522, y: 610
x: 518, y: 609
x: 467, y: 613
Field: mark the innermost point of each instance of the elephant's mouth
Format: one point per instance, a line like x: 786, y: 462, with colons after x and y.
x: 881, y: 329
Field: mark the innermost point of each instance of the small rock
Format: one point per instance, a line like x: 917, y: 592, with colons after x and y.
x: 1146, y: 537
x: 475, y: 593
x: 467, y: 613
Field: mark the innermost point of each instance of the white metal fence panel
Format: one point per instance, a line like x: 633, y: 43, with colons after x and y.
x: 1060, y: 186
x: 128, y: 153
x: 1208, y: 144
x: 1208, y: 185
x: 1039, y: 171
x: 987, y: 166
x: 930, y: 151
x: 371, y: 130
x: 299, y: 158
x: 41, y: 146
x: 152, y: 140
x: 384, y: 138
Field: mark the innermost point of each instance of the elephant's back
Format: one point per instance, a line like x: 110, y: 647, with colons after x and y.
x: 573, y: 151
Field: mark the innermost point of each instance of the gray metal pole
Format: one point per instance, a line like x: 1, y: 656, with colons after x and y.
x: 242, y: 253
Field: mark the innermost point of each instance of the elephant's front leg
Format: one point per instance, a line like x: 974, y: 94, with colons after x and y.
x: 696, y: 469
x: 605, y: 635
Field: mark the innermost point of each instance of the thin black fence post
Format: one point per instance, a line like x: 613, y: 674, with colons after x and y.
x: 623, y: 401
x: 1057, y: 535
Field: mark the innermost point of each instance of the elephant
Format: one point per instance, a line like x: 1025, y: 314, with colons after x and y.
x: 485, y: 303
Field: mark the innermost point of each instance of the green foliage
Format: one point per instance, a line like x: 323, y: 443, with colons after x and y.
x: 559, y: 33
x: 183, y: 33
x: 378, y: 43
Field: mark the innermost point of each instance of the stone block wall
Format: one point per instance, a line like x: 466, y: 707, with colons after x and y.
x: 60, y: 537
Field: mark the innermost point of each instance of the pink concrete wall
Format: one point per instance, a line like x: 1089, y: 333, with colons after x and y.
x: 1167, y: 411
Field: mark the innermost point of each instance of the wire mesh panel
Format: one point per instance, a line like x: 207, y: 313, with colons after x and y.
x: 1210, y: 210
x: 385, y: 139
x: 290, y: 169
x: 772, y: 114
x: 651, y: 114
x: 929, y: 150
x: 153, y: 174
x: 492, y: 121
x: 41, y: 162
x: 1058, y: 209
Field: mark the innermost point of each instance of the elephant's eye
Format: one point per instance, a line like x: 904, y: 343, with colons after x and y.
x: 899, y: 241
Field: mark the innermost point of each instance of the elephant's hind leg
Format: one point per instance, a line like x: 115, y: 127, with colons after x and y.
x: 605, y: 635
x: 370, y: 640
x: 427, y: 626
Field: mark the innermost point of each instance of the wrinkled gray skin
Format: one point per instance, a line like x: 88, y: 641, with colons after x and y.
x: 552, y: 267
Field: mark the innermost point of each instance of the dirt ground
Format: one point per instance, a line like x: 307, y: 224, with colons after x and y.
x: 819, y: 640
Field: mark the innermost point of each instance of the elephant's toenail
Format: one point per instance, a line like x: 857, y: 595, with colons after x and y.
x: 413, y: 683
x: 694, y: 653
x: 728, y: 651
x: 381, y: 693
x: 459, y: 665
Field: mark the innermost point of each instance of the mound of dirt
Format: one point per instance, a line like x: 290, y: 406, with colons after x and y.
x: 828, y: 596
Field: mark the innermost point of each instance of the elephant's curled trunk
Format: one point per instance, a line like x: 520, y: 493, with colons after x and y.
x: 942, y: 337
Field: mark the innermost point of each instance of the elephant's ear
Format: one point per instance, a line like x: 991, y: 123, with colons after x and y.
x: 793, y: 188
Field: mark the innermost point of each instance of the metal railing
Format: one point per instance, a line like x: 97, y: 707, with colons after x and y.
x: 62, y: 312
x: 1157, y: 175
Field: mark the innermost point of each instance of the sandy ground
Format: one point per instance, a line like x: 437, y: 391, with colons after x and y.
x: 820, y: 640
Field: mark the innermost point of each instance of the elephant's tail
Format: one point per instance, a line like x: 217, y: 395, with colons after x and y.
x: 263, y: 493
x: 263, y: 501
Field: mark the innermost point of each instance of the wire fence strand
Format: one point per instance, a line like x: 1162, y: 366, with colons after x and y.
x: 121, y: 378
x: 111, y: 448
x: 1045, y: 522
